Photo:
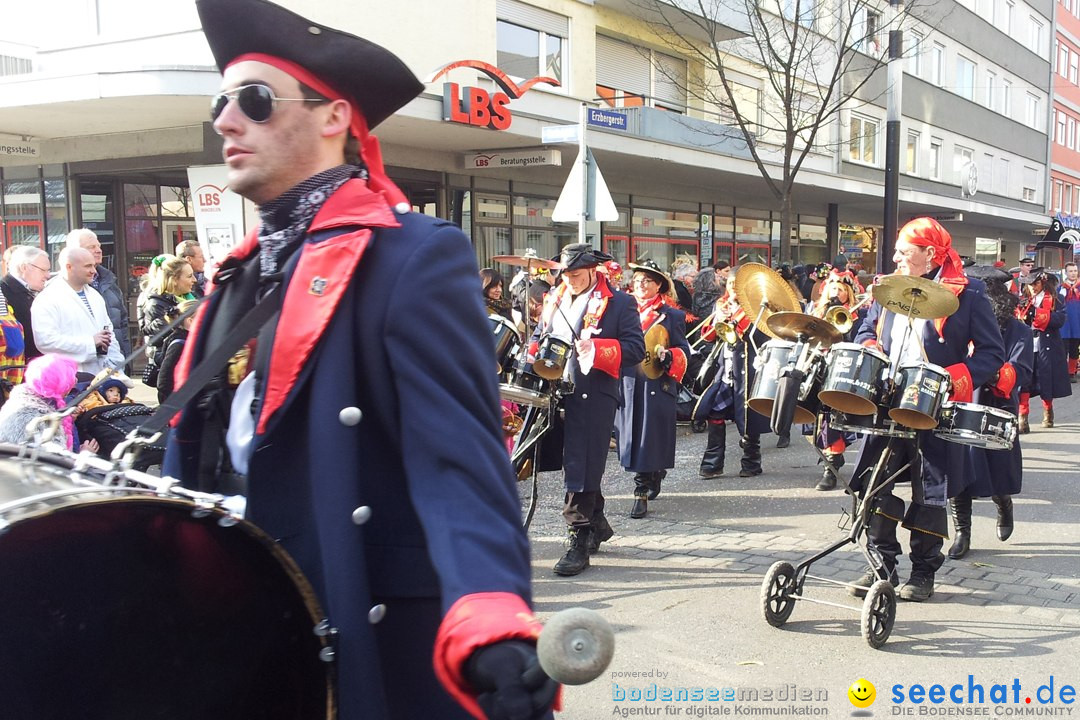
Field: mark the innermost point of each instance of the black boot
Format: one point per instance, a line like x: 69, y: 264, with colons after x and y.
x: 601, y: 532
x: 829, y: 477
x: 712, y: 462
x: 576, y: 558
x: 751, y: 456
x: 654, y: 484
x: 960, y: 507
x: 1005, y: 516
x: 640, y: 508
x: 642, y: 487
x: 784, y: 440
x: 919, y: 587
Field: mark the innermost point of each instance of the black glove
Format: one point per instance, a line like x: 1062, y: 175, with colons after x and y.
x: 669, y: 358
x: 509, y: 682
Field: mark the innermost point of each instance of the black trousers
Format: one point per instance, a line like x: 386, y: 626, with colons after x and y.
x: 580, y: 508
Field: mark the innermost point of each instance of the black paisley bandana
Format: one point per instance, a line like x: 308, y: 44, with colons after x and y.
x: 285, y: 219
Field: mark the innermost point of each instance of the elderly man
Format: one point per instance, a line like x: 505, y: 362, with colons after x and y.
x: 70, y: 317
x: 191, y: 251
x: 384, y: 476
x: 968, y: 346
x: 27, y: 272
x: 106, y: 285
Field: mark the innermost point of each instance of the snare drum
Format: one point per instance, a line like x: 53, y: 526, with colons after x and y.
x: 506, y: 341
x: 854, y: 379
x: 551, y: 357
x: 772, y: 357
x: 526, y: 388
x: 977, y: 425
x: 134, y: 602
x: 877, y: 424
x: 921, y: 390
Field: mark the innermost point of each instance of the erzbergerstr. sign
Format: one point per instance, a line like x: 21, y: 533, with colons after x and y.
x: 478, y: 107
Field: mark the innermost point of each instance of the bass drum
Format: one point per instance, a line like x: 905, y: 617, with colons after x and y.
x: 122, y: 603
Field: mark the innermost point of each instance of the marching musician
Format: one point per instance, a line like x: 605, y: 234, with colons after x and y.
x: 602, y: 323
x: 379, y: 468
x: 840, y: 289
x: 997, y: 474
x: 1020, y: 285
x: 725, y: 398
x: 924, y: 249
x: 645, y: 424
x: 1070, y: 332
x: 1044, y: 311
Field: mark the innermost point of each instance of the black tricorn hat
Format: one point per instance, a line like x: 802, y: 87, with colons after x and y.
x: 987, y: 273
x: 650, y: 267
x: 368, y: 74
x: 582, y: 255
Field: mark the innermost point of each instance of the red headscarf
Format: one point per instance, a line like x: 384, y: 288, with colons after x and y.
x: 927, y: 232
x: 370, y: 152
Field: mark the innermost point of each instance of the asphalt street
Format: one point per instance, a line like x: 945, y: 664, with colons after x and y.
x: 682, y: 589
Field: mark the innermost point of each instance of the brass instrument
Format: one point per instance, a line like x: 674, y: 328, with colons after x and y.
x: 726, y: 332
x: 842, y: 318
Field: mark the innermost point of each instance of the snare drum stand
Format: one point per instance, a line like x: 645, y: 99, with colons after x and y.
x: 784, y: 583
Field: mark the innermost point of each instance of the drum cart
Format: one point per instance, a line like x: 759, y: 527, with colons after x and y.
x: 785, y: 584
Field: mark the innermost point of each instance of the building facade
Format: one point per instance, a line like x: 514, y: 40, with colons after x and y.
x: 99, y: 123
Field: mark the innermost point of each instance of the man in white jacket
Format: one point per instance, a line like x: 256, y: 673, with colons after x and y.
x: 70, y: 317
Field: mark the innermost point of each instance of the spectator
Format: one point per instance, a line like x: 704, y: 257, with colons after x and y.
x: 105, y: 283
x: 48, y: 379
x: 70, y: 317
x: 28, y: 270
x: 172, y: 283
x: 191, y: 251
x: 173, y: 348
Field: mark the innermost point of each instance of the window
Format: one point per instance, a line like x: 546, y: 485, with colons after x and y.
x: 862, y: 145
x: 914, y: 53
x: 965, y: 77
x: 1059, y: 136
x: 1033, y: 112
x: 15, y: 65
x: 1035, y: 36
x: 632, y: 76
x: 1070, y: 135
x: 991, y: 84
x: 1074, y: 66
x: 531, y: 42
x: 961, y: 157
x: 1057, y: 195
x: 1063, y: 60
x: 1006, y: 98
x: 912, y: 152
x: 804, y: 8
x: 1010, y: 17
x: 1067, y: 199
x: 937, y: 63
x: 935, y: 158
x: 869, y: 40
x: 986, y: 173
x: 1001, y: 177
x: 1031, y: 179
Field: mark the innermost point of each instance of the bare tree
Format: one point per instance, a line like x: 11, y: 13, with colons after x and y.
x: 814, y: 57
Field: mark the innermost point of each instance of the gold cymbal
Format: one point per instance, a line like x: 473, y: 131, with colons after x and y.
x: 655, y: 337
x: 529, y: 259
x: 924, y: 299
x: 793, y: 325
x: 756, y: 284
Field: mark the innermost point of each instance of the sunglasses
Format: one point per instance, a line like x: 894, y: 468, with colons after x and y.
x: 256, y: 101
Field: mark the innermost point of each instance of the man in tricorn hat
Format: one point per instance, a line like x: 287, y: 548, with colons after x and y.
x: 379, y: 467
x: 645, y: 424
x: 602, y: 325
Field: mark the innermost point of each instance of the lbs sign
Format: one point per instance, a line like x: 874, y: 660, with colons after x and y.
x: 476, y: 106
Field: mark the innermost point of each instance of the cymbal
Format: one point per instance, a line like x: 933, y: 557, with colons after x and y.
x: 530, y: 259
x: 756, y: 284
x: 793, y: 325
x: 657, y: 335
x: 922, y: 298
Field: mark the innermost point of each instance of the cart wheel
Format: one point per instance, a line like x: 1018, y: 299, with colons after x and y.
x: 878, y: 613
x: 776, y: 600
x: 576, y: 646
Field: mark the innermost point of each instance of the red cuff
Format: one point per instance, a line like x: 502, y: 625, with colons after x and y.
x: 742, y: 323
x: 872, y: 343
x: 961, y: 382
x: 473, y: 622
x: 608, y: 356
x: 1042, y: 319
x: 1006, y: 381
x: 708, y: 333
x: 678, y: 364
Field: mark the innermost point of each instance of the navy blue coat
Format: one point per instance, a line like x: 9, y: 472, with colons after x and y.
x: 973, y: 322
x: 645, y: 424
x: 1071, y: 298
x: 727, y: 401
x: 1051, y: 378
x: 1000, y: 472
x: 408, y: 343
x: 590, y: 409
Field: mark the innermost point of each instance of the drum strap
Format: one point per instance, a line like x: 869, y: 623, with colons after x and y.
x: 265, y: 312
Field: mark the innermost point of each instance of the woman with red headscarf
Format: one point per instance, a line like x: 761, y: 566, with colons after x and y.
x: 967, y: 344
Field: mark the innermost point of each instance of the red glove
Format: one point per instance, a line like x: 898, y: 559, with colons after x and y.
x: 1006, y: 381
x: 961, y: 382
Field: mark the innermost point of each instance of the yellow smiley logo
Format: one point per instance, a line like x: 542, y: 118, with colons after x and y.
x: 861, y: 693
